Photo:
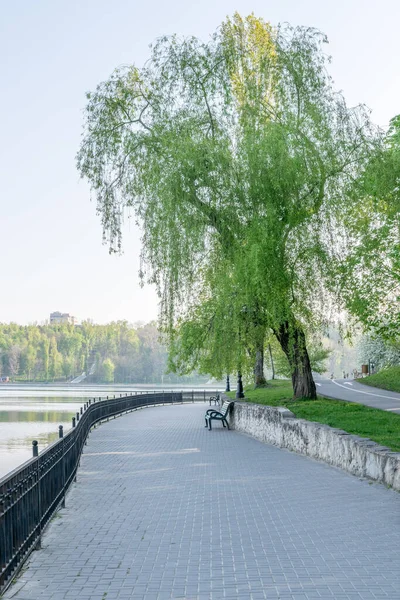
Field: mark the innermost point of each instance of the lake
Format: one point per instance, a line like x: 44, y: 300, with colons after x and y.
x: 34, y: 413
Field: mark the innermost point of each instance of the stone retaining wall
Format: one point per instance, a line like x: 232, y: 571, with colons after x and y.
x: 357, y: 455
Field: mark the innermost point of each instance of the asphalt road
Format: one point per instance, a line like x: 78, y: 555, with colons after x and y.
x: 352, y: 391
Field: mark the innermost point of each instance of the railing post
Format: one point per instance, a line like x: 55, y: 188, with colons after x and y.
x: 77, y: 417
x: 73, y: 422
x: 81, y: 410
x: 61, y: 435
x: 35, y: 449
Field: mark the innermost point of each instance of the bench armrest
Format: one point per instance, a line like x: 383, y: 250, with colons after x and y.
x: 213, y: 413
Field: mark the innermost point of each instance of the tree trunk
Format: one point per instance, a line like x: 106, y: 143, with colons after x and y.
x: 272, y: 361
x: 259, y: 377
x: 293, y: 344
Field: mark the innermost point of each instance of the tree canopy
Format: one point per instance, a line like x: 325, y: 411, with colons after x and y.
x: 369, y: 273
x: 237, y: 157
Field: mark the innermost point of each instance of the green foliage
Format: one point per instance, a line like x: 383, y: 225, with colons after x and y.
x: 378, y: 425
x: 107, y: 371
x: 317, y: 353
x: 214, y: 335
x: 369, y: 273
x: 387, y: 379
x: 68, y: 367
x: 318, y: 358
x: 205, y: 342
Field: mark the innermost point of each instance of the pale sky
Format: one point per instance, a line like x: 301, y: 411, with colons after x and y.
x: 51, y: 53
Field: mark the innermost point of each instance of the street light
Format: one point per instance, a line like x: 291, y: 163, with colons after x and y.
x: 228, y: 387
x: 239, y: 389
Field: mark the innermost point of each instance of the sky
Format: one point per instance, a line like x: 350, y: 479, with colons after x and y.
x: 51, y: 53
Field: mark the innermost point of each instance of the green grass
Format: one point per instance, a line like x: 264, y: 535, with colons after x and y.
x: 387, y: 379
x: 380, y: 426
x: 278, y: 391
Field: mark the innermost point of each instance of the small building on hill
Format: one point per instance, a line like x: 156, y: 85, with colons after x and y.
x: 58, y: 317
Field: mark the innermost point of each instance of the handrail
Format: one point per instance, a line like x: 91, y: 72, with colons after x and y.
x: 30, y: 494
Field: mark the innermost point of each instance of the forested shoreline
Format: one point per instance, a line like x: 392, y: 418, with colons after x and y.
x: 116, y: 352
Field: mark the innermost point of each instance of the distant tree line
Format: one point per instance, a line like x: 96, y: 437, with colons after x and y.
x: 117, y: 352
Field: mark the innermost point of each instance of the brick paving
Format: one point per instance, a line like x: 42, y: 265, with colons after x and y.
x: 165, y: 509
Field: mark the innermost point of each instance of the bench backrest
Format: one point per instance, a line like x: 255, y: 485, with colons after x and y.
x: 225, y: 407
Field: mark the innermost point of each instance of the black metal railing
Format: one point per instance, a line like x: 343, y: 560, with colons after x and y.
x: 31, y: 494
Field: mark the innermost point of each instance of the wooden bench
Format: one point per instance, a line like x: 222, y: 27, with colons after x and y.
x: 216, y: 415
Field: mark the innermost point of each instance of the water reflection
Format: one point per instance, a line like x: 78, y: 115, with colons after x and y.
x: 32, y: 417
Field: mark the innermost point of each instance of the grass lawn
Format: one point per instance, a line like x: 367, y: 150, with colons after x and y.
x: 387, y: 379
x: 378, y: 425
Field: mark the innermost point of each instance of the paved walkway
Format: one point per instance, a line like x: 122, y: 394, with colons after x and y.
x: 165, y: 509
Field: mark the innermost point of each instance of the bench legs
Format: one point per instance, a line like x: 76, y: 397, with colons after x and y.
x: 208, y: 423
x: 224, y: 423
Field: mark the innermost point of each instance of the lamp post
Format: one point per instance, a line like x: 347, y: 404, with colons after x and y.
x: 239, y: 389
x: 228, y: 387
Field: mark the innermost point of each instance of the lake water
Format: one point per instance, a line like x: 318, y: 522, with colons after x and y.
x: 34, y: 413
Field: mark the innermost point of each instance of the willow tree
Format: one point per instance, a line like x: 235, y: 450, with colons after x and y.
x: 239, y: 149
